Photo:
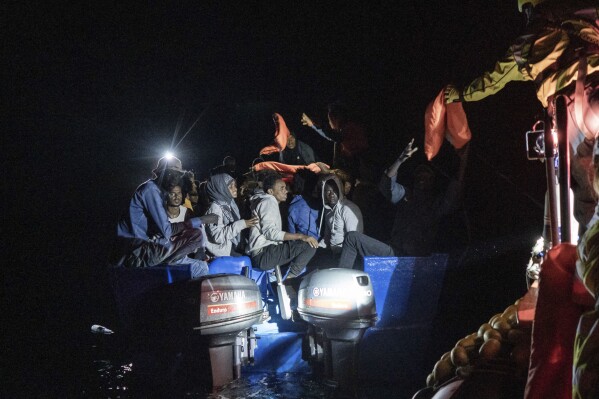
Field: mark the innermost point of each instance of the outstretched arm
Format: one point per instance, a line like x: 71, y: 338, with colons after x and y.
x: 404, y: 156
x: 332, y: 136
x: 388, y: 186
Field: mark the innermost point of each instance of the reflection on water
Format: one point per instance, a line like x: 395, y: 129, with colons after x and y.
x: 142, y: 376
x: 121, y: 381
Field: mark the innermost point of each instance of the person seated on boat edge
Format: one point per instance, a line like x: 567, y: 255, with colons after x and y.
x: 302, y: 214
x: 339, y: 216
x: 269, y: 245
x: 225, y: 237
x: 146, y: 238
x: 418, y: 213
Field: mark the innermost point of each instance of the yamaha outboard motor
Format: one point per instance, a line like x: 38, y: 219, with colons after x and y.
x: 221, y: 310
x: 209, y: 320
x: 339, y: 305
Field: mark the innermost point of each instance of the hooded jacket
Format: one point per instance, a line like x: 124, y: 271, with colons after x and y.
x: 339, y: 220
x: 269, y: 231
x: 224, y: 235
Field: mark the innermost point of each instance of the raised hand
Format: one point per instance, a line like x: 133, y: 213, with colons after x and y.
x: 306, y: 121
x: 408, y: 151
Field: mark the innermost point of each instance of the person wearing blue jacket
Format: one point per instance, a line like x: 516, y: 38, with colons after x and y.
x: 146, y: 238
x: 304, y: 207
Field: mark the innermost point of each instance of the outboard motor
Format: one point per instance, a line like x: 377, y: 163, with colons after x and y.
x: 208, y: 320
x: 339, y: 304
x: 221, y: 310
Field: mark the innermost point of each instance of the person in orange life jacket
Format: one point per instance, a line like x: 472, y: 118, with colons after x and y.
x: 146, y: 238
x: 287, y: 149
x: 269, y: 245
x: 297, y: 152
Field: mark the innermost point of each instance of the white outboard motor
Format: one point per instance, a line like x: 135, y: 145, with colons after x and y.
x: 339, y: 304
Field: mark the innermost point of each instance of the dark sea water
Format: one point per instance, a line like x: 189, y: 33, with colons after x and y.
x: 122, y: 378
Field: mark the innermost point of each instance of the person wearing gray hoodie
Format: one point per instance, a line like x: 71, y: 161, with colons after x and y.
x: 269, y: 246
x: 340, y: 215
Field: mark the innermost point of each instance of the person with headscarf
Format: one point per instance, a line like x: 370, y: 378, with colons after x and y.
x: 224, y: 237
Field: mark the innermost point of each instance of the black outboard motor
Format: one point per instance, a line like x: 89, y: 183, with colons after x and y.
x: 210, y: 319
x: 339, y: 304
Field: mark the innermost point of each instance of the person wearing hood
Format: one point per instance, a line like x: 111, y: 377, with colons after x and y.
x: 146, y: 238
x: 224, y: 237
x: 339, y: 216
x: 269, y: 246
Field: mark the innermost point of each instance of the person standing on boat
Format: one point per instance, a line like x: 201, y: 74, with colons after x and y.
x: 349, y: 137
x: 270, y: 246
x: 146, y: 238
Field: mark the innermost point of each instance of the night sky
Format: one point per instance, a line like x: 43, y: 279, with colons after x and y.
x: 97, y: 91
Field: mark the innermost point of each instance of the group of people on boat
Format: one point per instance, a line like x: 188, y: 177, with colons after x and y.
x: 173, y: 218
x: 331, y: 217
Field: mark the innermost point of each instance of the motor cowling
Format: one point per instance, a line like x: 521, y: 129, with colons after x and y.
x: 337, y: 299
x: 222, y: 304
x: 339, y: 304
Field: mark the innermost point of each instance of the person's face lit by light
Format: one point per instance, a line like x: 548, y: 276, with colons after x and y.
x: 175, y: 196
x: 233, y: 188
x: 291, y: 142
x: 279, y: 191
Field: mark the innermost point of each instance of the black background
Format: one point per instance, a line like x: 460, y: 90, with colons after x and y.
x: 96, y: 92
